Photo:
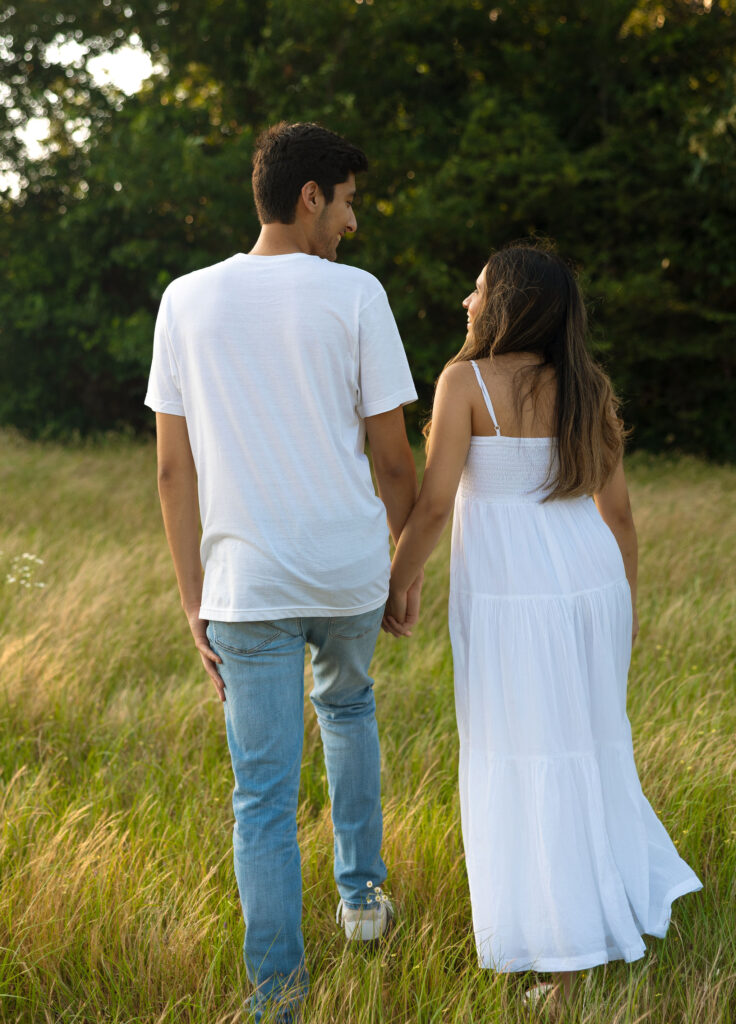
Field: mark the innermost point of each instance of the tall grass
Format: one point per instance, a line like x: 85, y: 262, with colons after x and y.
x: 117, y: 895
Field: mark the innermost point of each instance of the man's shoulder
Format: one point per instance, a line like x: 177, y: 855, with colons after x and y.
x: 196, y: 277
x: 353, y: 277
x: 339, y: 279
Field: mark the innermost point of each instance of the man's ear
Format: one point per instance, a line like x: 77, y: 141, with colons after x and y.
x: 312, y: 196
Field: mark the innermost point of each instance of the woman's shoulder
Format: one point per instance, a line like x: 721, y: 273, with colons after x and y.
x: 457, y: 375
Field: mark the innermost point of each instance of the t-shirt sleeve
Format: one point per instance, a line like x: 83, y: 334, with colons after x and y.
x: 384, y: 376
x: 164, y: 384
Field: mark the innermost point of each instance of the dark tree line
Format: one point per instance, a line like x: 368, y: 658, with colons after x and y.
x: 610, y: 127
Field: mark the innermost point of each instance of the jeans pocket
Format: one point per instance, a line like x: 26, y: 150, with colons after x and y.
x: 249, y: 637
x: 351, y: 627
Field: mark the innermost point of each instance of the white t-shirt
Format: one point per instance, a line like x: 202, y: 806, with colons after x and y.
x: 275, y: 361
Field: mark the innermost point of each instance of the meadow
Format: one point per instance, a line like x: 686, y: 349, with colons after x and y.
x: 118, y: 901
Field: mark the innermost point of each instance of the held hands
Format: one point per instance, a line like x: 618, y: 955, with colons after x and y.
x: 209, y: 658
x: 402, y: 609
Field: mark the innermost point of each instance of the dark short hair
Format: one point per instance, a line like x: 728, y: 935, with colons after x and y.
x: 287, y: 156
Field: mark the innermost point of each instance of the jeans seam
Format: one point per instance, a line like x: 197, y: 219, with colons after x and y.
x: 254, y: 650
x: 348, y: 636
x: 243, y: 650
x: 333, y: 627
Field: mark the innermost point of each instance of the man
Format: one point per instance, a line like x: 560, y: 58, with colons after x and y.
x: 269, y: 370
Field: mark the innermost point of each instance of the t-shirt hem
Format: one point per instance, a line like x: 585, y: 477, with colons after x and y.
x: 300, y: 612
x: 403, y: 397
x: 172, y: 408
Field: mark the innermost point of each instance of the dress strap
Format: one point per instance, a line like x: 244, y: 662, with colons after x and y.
x: 486, y: 397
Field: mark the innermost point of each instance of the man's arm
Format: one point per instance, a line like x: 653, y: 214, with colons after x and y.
x: 393, y: 464
x: 447, y: 453
x: 177, y: 488
x: 396, y: 477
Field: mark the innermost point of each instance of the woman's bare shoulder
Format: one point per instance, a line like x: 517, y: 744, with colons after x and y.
x: 456, y: 376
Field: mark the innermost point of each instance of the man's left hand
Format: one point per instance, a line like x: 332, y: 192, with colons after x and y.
x: 402, y: 609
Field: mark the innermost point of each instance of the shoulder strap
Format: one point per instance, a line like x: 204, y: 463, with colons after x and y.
x: 486, y: 397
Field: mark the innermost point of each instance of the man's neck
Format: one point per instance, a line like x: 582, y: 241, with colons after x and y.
x: 280, y: 239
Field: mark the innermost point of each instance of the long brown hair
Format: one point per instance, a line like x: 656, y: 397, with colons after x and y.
x: 532, y: 303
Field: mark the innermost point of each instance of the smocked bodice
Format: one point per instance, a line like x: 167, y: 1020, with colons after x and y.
x: 508, y: 469
x: 507, y: 541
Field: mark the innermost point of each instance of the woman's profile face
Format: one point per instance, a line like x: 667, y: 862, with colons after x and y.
x: 473, y: 302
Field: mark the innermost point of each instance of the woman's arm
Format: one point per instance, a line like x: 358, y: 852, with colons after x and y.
x: 615, y: 509
x: 449, y: 441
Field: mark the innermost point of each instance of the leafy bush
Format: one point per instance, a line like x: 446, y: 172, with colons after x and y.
x: 611, y: 130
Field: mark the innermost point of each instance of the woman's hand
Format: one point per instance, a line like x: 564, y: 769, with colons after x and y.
x: 395, y: 613
x: 634, y: 627
x: 402, y: 608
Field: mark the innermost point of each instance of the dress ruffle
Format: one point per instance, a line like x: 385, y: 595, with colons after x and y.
x: 567, y: 862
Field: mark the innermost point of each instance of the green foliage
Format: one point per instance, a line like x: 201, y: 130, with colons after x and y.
x: 608, y: 127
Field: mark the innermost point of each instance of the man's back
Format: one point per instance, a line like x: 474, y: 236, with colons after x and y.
x: 268, y: 371
x: 275, y: 361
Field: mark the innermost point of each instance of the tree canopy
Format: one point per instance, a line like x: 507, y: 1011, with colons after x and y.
x: 609, y: 127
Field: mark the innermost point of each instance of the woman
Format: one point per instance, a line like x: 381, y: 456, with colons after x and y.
x: 567, y: 863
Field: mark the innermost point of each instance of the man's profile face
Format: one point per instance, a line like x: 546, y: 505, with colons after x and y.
x: 334, y: 220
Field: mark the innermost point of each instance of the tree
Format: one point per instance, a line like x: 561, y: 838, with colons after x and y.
x: 610, y: 128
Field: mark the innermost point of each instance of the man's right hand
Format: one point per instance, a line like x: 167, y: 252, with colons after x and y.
x: 209, y: 659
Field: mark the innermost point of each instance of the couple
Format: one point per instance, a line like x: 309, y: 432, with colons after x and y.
x: 269, y: 371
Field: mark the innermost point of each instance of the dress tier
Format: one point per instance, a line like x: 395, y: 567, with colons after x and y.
x: 567, y: 862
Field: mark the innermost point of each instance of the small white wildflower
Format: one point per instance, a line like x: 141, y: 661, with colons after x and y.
x: 380, y: 895
x: 22, y: 569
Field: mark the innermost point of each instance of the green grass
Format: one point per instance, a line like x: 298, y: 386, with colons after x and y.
x: 117, y: 896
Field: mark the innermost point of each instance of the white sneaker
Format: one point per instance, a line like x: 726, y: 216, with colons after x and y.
x: 365, y: 924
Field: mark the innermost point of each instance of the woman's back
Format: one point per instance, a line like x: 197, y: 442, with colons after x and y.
x: 506, y: 539
x: 504, y: 377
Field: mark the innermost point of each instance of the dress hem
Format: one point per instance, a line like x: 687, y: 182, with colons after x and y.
x: 544, y: 965
x: 682, y: 889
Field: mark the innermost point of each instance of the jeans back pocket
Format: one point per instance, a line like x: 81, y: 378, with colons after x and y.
x: 251, y: 637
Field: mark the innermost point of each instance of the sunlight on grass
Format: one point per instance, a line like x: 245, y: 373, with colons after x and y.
x: 117, y: 896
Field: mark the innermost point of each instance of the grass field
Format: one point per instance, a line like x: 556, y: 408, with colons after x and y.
x: 117, y: 895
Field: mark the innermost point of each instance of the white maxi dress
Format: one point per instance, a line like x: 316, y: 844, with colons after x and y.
x: 568, y: 864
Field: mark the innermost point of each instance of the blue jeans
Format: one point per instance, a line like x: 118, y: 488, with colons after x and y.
x: 263, y: 671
